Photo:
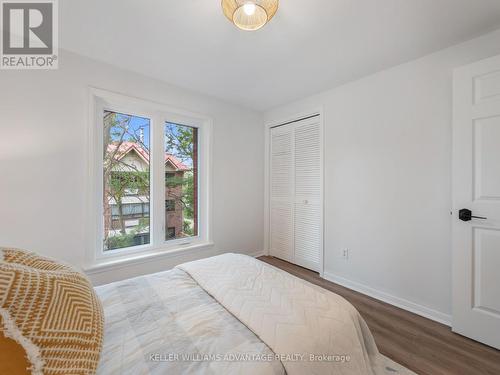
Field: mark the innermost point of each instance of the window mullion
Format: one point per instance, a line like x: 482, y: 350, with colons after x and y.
x: 157, y: 182
x: 98, y: 143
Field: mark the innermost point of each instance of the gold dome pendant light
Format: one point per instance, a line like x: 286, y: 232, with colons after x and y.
x: 249, y: 14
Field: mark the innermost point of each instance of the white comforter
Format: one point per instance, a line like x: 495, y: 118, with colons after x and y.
x: 166, y: 324
x: 314, y: 331
x: 232, y: 314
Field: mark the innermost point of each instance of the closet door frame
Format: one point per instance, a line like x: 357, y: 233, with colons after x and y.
x: 318, y: 111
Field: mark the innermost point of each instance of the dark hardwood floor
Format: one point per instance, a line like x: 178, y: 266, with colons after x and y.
x: 420, y: 344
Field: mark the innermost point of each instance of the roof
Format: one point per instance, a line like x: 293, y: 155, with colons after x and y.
x: 126, y: 147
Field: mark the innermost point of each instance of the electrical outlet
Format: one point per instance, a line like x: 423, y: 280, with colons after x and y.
x: 345, y: 254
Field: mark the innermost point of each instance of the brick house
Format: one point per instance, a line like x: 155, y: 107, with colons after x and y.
x: 134, y: 203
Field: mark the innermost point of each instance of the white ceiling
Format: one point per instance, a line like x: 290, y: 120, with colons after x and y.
x: 310, y: 45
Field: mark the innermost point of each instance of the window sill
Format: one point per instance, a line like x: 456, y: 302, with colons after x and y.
x: 101, y: 265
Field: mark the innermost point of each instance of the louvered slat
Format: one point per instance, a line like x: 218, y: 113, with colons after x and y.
x: 308, y: 161
x: 281, y: 164
x: 282, y: 193
x: 282, y: 230
x: 307, y: 233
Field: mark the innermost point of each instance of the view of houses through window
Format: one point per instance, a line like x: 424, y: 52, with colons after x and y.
x: 127, y: 179
x: 181, y: 181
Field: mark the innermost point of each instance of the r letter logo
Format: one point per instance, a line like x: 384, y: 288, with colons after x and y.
x: 29, y: 34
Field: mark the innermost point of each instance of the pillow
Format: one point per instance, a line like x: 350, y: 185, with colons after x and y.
x: 50, y: 313
x: 13, y: 358
x: 30, y: 259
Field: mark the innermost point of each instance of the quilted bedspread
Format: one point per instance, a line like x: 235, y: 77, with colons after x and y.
x: 165, y: 323
x: 312, y: 330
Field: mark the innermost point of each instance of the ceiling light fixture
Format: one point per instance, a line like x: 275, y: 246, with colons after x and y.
x: 249, y: 14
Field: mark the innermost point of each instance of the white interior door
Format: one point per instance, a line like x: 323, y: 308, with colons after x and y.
x: 476, y: 187
x: 296, y: 192
x: 308, y: 221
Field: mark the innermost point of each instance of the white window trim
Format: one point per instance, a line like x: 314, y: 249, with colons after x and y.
x: 158, y: 113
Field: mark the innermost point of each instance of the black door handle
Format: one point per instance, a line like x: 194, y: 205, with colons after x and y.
x: 466, y: 215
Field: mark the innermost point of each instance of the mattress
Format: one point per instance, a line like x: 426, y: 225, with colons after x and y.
x: 233, y: 314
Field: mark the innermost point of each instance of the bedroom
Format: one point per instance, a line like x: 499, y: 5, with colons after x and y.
x: 352, y: 144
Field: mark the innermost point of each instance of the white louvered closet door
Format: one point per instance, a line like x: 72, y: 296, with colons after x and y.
x: 296, y: 217
x: 308, y: 215
x: 282, y: 193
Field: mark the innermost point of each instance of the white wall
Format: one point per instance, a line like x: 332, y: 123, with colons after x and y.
x: 388, y: 178
x: 43, y: 161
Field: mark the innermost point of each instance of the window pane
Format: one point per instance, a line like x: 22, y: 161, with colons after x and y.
x: 170, y: 205
x: 126, y: 180
x: 181, y: 181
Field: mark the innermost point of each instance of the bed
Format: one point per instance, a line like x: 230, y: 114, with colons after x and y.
x: 233, y: 314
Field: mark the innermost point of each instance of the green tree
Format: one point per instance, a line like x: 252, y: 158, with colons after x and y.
x: 120, y: 177
x: 179, y: 142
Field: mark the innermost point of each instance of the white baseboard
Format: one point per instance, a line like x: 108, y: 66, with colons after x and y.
x: 390, y: 299
x: 257, y: 254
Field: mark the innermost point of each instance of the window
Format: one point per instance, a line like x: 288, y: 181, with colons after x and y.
x: 171, y: 232
x: 150, y: 177
x: 170, y: 205
x: 140, y: 209
x: 181, y: 162
x: 126, y: 177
